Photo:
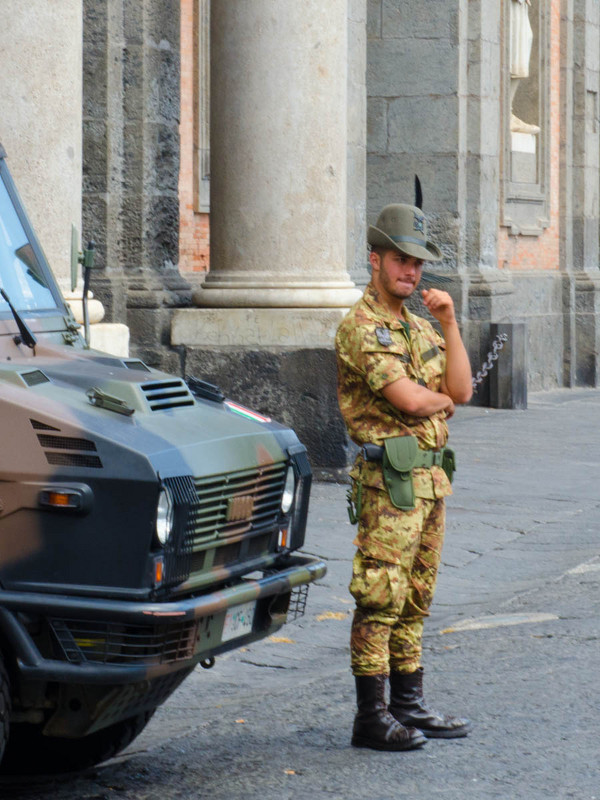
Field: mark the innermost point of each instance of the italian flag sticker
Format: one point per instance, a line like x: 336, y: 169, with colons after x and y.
x: 246, y: 412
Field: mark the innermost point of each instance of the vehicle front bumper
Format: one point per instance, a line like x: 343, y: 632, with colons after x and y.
x: 193, y: 628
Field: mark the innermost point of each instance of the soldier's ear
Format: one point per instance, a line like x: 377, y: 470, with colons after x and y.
x: 375, y: 259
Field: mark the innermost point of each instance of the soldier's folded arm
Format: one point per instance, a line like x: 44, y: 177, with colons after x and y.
x: 416, y: 400
x: 456, y: 381
x: 460, y: 393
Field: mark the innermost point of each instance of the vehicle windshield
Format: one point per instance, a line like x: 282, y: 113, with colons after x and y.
x: 21, y: 275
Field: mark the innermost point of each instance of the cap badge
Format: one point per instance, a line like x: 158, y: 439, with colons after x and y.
x: 419, y: 223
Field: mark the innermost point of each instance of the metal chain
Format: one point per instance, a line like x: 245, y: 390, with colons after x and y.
x: 492, y: 356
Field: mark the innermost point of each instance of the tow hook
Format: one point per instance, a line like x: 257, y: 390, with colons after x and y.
x: 208, y: 663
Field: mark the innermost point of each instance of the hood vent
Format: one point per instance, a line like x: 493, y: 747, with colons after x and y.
x: 41, y: 426
x: 73, y: 460
x: 35, y: 377
x: 136, y: 364
x: 163, y: 395
x: 65, y: 442
x: 66, y: 451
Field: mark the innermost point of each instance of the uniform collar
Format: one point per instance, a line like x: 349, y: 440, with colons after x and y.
x: 394, y: 323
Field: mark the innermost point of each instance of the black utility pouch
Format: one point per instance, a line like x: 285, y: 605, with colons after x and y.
x: 398, y: 462
x: 449, y: 463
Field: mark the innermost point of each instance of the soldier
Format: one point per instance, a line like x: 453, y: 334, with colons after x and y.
x: 398, y: 382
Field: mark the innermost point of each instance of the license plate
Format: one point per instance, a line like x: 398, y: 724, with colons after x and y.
x: 238, y: 621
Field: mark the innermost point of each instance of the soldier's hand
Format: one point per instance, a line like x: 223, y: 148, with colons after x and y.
x: 439, y: 304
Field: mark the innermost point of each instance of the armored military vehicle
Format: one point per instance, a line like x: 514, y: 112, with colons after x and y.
x: 147, y: 524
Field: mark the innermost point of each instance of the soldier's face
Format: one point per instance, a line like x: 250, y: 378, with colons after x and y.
x: 395, y: 274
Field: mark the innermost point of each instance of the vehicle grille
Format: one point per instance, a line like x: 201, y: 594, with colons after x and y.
x: 209, y: 536
x: 107, y: 643
x: 215, y: 494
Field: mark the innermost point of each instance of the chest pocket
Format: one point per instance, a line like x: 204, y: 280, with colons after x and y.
x: 431, y: 362
x: 389, y: 342
x: 386, y: 357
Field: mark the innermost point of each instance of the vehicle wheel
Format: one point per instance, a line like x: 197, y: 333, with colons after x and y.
x: 4, y: 707
x: 31, y: 752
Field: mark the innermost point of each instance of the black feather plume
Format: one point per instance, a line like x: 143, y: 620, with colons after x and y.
x: 418, y: 193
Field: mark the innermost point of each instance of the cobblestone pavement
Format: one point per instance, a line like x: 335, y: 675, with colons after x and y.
x: 512, y: 642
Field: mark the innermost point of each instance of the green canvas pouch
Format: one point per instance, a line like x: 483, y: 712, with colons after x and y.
x: 449, y: 463
x: 398, y: 461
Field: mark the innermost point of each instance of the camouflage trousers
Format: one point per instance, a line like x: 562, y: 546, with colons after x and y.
x: 392, y: 599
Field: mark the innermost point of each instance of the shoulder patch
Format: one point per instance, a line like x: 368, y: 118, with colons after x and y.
x: 384, y: 337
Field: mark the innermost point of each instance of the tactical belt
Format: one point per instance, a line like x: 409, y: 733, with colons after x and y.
x: 398, y: 457
x: 423, y: 458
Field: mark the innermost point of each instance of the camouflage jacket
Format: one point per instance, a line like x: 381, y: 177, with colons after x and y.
x: 375, y: 348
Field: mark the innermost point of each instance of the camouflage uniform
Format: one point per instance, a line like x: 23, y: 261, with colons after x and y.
x: 395, y: 567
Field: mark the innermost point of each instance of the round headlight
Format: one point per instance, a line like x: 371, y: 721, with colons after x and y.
x: 164, y: 516
x: 287, y: 498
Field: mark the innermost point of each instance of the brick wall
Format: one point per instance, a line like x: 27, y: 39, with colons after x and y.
x: 194, y: 227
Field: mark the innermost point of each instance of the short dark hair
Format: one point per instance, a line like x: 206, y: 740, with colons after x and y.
x: 380, y: 250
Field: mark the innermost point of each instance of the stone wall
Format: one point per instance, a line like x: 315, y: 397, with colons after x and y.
x: 131, y: 109
x: 293, y: 386
x: 414, y: 112
x: 438, y: 107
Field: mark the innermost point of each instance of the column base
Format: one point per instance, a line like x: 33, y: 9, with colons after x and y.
x: 293, y: 386
x: 270, y: 328
x: 334, y: 295
x: 110, y: 337
x: 280, y: 362
x: 586, y: 314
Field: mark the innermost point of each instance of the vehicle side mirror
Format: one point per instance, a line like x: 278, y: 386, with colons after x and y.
x: 84, y: 257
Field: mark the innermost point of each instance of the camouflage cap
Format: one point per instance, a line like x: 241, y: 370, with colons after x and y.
x: 404, y: 228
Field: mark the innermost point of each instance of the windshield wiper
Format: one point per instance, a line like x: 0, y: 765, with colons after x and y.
x: 26, y: 336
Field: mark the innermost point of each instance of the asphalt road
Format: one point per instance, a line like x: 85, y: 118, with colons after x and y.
x: 513, y: 642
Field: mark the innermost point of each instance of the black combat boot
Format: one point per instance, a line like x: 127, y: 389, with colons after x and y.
x: 408, y: 706
x: 374, y: 726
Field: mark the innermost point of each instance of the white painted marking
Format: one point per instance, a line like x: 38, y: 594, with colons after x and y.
x: 499, y: 621
x: 581, y: 569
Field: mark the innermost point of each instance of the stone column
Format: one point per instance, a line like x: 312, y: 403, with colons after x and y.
x: 281, y: 219
x: 40, y: 123
x: 278, y: 155
x: 357, y: 258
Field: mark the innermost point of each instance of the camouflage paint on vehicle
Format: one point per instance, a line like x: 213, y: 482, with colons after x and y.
x: 99, y: 620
